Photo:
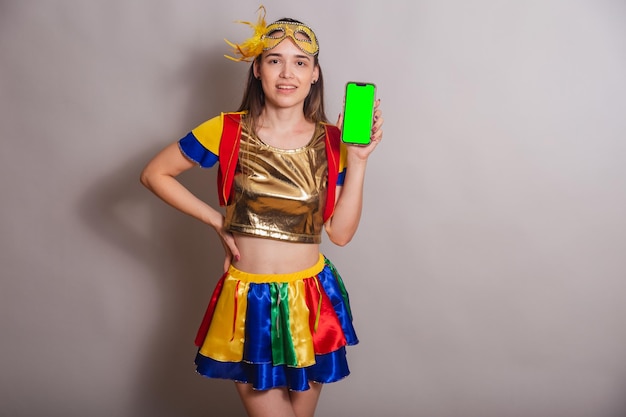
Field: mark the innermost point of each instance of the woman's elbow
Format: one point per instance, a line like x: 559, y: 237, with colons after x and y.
x: 340, y: 239
x: 144, y: 178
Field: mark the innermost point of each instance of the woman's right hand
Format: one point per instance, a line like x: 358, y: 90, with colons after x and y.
x: 159, y: 176
x: 230, y: 246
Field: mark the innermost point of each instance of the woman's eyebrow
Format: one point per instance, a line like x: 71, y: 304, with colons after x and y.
x: 276, y: 54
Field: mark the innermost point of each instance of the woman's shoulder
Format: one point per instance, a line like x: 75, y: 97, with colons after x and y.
x: 214, y: 126
x: 332, y: 132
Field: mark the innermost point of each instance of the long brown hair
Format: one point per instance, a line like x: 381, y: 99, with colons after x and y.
x: 253, y: 99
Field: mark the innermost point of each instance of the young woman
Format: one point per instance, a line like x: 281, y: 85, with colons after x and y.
x: 279, y: 319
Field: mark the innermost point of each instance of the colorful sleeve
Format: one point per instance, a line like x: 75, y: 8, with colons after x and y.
x: 202, y: 144
x: 342, y: 164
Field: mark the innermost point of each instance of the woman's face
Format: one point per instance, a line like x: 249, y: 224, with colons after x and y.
x: 286, y: 75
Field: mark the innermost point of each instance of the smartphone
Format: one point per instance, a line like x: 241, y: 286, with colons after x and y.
x: 358, y: 113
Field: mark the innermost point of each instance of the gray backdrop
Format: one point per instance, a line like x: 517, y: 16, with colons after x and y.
x: 488, y: 275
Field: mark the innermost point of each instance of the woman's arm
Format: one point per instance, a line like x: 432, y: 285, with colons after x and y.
x: 343, y: 224
x: 159, y: 176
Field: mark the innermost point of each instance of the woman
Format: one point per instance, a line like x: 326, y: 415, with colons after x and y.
x: 279, y: 319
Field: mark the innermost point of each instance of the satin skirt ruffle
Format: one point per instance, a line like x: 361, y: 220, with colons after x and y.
x: 277, y: 330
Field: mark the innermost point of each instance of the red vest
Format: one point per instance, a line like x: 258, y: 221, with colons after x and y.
x: 229, y: 152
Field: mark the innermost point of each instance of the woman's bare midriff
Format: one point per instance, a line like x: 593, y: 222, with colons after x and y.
x: 269, y: 256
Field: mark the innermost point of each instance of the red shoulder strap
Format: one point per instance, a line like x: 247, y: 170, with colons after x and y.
x: 333, y: 149
x: 228, y: 154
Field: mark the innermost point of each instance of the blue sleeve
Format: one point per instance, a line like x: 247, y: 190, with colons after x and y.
x: 341, y: 177
x: 196, y: 152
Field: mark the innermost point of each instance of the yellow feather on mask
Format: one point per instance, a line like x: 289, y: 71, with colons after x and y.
x: 253, y: 46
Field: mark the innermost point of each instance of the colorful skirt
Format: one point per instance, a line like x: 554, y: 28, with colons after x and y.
x: 279, y: 330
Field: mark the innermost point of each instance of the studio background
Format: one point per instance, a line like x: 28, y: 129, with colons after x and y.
x: 488, y: 277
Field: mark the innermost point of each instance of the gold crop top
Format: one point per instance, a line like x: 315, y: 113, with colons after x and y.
x: 279, y: 193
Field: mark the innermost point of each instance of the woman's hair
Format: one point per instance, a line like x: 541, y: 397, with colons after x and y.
x: 254, y: 99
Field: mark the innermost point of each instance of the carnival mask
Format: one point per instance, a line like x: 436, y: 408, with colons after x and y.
x: 268, y: 37
x: 302, y: 36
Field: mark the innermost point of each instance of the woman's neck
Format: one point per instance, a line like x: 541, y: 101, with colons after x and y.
x: 284, y: 128
x: 281, y: 119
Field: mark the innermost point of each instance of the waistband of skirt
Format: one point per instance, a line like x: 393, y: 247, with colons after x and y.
x: 289, y: 277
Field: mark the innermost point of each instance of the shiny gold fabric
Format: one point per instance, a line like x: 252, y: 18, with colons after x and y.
x: 279, y: 193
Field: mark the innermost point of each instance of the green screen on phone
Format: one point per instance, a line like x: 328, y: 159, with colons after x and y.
x: 358, y: 113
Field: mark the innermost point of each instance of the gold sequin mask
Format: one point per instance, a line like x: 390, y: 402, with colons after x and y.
x: 302, y: 35
x: 268, y: 37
